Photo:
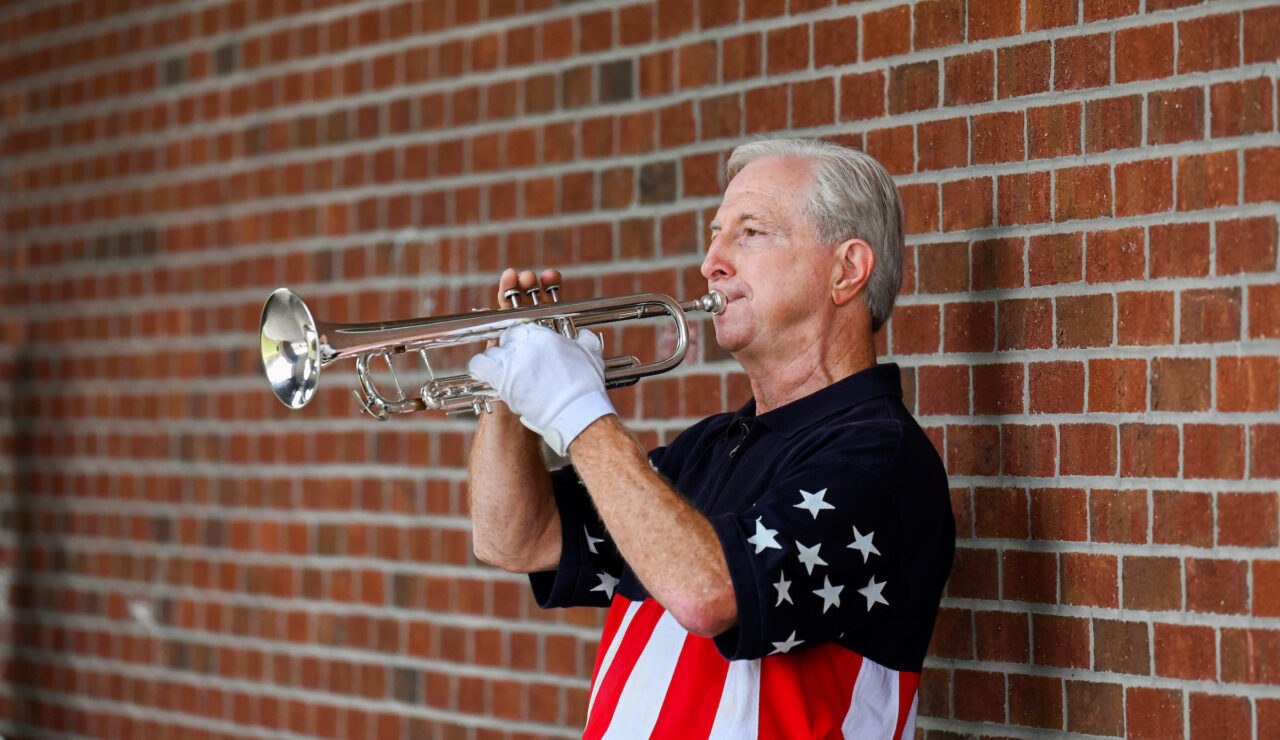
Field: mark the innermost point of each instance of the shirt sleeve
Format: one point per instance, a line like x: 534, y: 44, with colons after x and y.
x: 590, y: 566
x: 816, y: 557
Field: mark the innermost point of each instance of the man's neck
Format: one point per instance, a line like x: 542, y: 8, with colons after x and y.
x: 808, y: 370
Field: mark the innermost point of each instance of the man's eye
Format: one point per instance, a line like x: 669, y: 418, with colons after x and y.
x: 751, y: 232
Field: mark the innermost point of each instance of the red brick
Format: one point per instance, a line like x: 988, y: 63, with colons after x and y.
x: 1248, y: 383
x: 971, y: 577
x: 1082, y: 192
x: 1003, y: 637
x: 943, y: 268
x: 1266, y: 589
x: 1025, y: 323
x: 1152, y: 583
x: 1240, y: 108
x: 1115, y: 255
x: 862, y: 96
x: 1248, y: 520
x: 1144, y: 187
x: 1090, y: 580
x: 1218, y: 586
x: 938, y: 23
x: 1084, y: 321
x: 1180, y: 384
x: 1214, y: 451
x: 953, y: 634
x: 813, y: 103
x: 1024, y: 198
x: 1056, y: 387
x: 740, y: 57
x: 893, y: 148
x: 1023, y: 69
x: 920, y: 204
x: 1175, y: 115
x: 1035, y: 701
x: 1095, y: 10
x: 1264, y: 440
x: 1153, y: 714
x: 1185, y: 651
x: 1087, y: 449
x: 1248, y: 656
x: 1261, y: 44
x: 1062, y: 642
x: 1055, y: 258
x: 997, y: 137
x: 1179, y: 250
x: 1149, y: 450
x: 1113, y: 123
x: 915, y: 329
x: 913, y: 87
x: 969, y: 78
x: 1183, y: 518
x: 1121, y: 647
x: 1118, y: 385
x: 1118, y: 516
x: 1030, y: 576
x: 787, y: 49
x: 1209, y: 43
x: 1144, y: 53
x: 943, y: 144
x: 1053, y: 131
x: 942, y: 390
x: 1264, y: 311
x: 1059, y: 514
x: 1246, y: 245
x: 886, y: 33
x: 1001, y: 513
x: 973, y: 449
x: 968, y: 327
x: 1082, y: 62
x: 1028, y: 450
x: 1144, y: 318
x: 1225, y: 717
x: 1208, y: 181
x: 1042, y: 14
x: 1095, y: 708
x: 998, y: 264
x: 1210, y: 315
x: 997, y: 389
x: 997, y: 18
x: 979, y: 696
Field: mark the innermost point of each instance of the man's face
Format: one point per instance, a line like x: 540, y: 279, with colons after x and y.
x: 764, y: 257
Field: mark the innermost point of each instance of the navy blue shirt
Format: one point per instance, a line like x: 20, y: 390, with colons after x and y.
x: 833, y: 512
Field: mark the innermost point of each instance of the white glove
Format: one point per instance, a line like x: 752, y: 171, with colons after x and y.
x: 554, y: 383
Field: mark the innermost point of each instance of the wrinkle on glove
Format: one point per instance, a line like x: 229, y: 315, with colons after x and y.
x: 555, y: 384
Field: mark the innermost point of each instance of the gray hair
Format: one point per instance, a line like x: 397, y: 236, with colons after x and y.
x: 851, y: 196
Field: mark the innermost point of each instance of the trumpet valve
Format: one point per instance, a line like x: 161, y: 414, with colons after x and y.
x: 513, y: 295
x: 533, y: 294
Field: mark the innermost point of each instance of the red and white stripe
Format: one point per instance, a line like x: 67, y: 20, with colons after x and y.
x: 654, y: 679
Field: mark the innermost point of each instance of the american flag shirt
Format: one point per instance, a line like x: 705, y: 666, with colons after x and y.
x: 835, y: 519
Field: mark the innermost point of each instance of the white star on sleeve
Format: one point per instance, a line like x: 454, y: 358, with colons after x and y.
x: 607, y: 584
x: 764, y: 538
x: 591, y: 541
x: 813, y: 502
x: 872, y: 592
x: 784, y: 589
x: 862, y: 543
x: 809, y: 556
x: 786, y: 645
x: 830, y: 594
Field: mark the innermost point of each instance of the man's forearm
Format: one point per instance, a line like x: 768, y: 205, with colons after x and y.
x: 515, y: 523
x: 670, y: 546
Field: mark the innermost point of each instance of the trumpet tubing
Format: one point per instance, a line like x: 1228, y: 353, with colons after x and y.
x: 295, y: 346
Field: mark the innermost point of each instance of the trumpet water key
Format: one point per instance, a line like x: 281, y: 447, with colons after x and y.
x: 295, y: 346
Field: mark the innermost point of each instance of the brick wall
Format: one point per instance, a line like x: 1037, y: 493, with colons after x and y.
x: 1089, y: 330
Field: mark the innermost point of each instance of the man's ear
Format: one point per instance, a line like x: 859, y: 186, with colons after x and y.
x: 853, y: 264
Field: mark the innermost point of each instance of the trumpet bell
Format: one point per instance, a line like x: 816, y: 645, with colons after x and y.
x: 290, y: 348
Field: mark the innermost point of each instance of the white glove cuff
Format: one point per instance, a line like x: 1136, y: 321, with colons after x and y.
x: 575, y: 417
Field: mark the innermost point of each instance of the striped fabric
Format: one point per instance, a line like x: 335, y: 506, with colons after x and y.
x: 654, y: 679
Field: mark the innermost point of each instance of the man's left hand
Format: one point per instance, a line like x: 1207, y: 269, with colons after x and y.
x: 554, y: 383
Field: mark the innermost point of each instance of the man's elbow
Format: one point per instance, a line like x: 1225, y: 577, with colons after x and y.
x: 708, y: 616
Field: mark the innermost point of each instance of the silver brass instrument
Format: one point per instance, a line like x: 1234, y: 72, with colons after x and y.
x: 295, y: 346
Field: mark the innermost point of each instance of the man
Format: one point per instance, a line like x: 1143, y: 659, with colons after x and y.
x: 773, y: 572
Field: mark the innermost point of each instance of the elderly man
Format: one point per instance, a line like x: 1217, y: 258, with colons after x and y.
x: 773, y: 572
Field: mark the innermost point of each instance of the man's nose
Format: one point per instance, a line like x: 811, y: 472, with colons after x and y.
x: 716, y: 264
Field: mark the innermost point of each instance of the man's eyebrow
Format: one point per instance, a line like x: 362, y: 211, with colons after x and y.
x: 740, y: 218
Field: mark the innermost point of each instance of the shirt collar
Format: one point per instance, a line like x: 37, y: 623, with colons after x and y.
x: 864, y: 385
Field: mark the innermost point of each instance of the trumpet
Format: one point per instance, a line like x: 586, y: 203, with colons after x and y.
x: 295, y: 346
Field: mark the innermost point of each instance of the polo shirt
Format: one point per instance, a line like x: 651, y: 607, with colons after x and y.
x: 835, y: 519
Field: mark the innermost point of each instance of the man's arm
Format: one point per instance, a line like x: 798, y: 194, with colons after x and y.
x: 514, y: 521
x: 669, y: 545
